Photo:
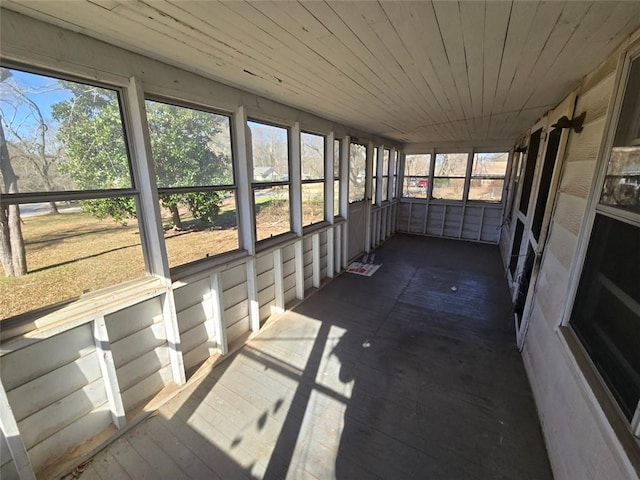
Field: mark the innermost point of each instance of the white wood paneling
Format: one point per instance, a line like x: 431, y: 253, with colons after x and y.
x: 413, y: 72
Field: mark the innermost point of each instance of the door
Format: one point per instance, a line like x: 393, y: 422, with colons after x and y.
x: 534, y: 207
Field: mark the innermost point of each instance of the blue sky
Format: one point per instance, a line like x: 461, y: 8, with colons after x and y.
x: 41, y: 90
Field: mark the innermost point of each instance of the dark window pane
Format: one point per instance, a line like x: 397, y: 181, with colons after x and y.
x: 529, y: 170
x: 606, y: 314
x: 190, y: 148
x: 61, y: 135
x: 270, y: 146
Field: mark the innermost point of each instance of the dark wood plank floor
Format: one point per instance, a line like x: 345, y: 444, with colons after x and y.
x: 395, y: 376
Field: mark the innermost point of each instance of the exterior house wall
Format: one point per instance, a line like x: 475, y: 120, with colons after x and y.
x: 580, y: 440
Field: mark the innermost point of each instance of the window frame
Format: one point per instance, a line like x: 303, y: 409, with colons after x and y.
x: 134, y: 192
x: 178, y: 269
x: 428, y: 176
x: 253, y: 185
x: 465, y: 178
x: 315, y: 181
x: 624, y: 429
x: 502, y: 177
x: 337, y: 167
x: 364, y: 180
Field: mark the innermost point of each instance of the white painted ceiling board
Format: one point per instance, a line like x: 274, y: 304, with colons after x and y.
x: 415, y: 72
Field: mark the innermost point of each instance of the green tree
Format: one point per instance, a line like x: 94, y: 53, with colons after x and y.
x: 184, y: 151
x: 189, y: 150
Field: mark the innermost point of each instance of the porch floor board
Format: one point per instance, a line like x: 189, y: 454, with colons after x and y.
x: 393, y: 376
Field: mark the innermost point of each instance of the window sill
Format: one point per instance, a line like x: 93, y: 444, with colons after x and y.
x: 276, y: 242
x: 600, y: 396
x: 40, y: 324
x: 183, y: 273
x: 315, y: 227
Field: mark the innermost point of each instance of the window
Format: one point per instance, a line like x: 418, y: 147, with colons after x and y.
x: 487, y: 176
x: 622, y: 181
x: 357, y: 172
x: 270, y: 148
x: 449, y: 176
x: 313, y: 159
x: 606, y: 311
x: 386, y: 159
x: 416, y: 175
x: 376, y: 180
x: 68, y: 197
x: 191, y: 152
x: 395, y: 168
x: 337, y: 161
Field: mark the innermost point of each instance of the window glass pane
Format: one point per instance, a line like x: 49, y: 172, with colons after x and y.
x: 395, y: 186
x: 336, y: 158
x: 416, y: 187
x: 487, y: 189
x: 385, y: 165
x: 272, y: 212
x: 61, y: 135
x: 385, y: 186
x: 417, y: 165
x: 451, y: 164
x: 79, y: 250
x: 190, y: 147
x: 312, y: 156
x: 622, y: 180
x: 448, y: 188
x: 606, y: 314
x: 312, y: 203
x: 336, y: 198
x: 489, y: 164
x: 357, y: 172
x: 208, y: 225
x: 270, y: 147
x: 487, y: 176
x: 374, y: 183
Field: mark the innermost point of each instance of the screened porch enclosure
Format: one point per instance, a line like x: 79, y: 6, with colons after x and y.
x: 358, y: 382
x: 184, y: 185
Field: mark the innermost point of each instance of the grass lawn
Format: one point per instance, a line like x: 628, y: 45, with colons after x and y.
x: 73, y: 253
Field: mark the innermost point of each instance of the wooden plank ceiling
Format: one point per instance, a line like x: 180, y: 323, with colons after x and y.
x: 416, y: 72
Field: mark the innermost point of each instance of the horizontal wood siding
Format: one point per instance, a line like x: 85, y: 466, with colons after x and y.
x: 453, y: 221
x: 265, y: 285
x: 566, y: 412
x: 55, y: 386
x: 435, y: 220
x: 323, y: 253
x: 140, y: 351
x: 235, y: 301
x: 472, y: 222
x: 194, y: 308
x: 492, y: 219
